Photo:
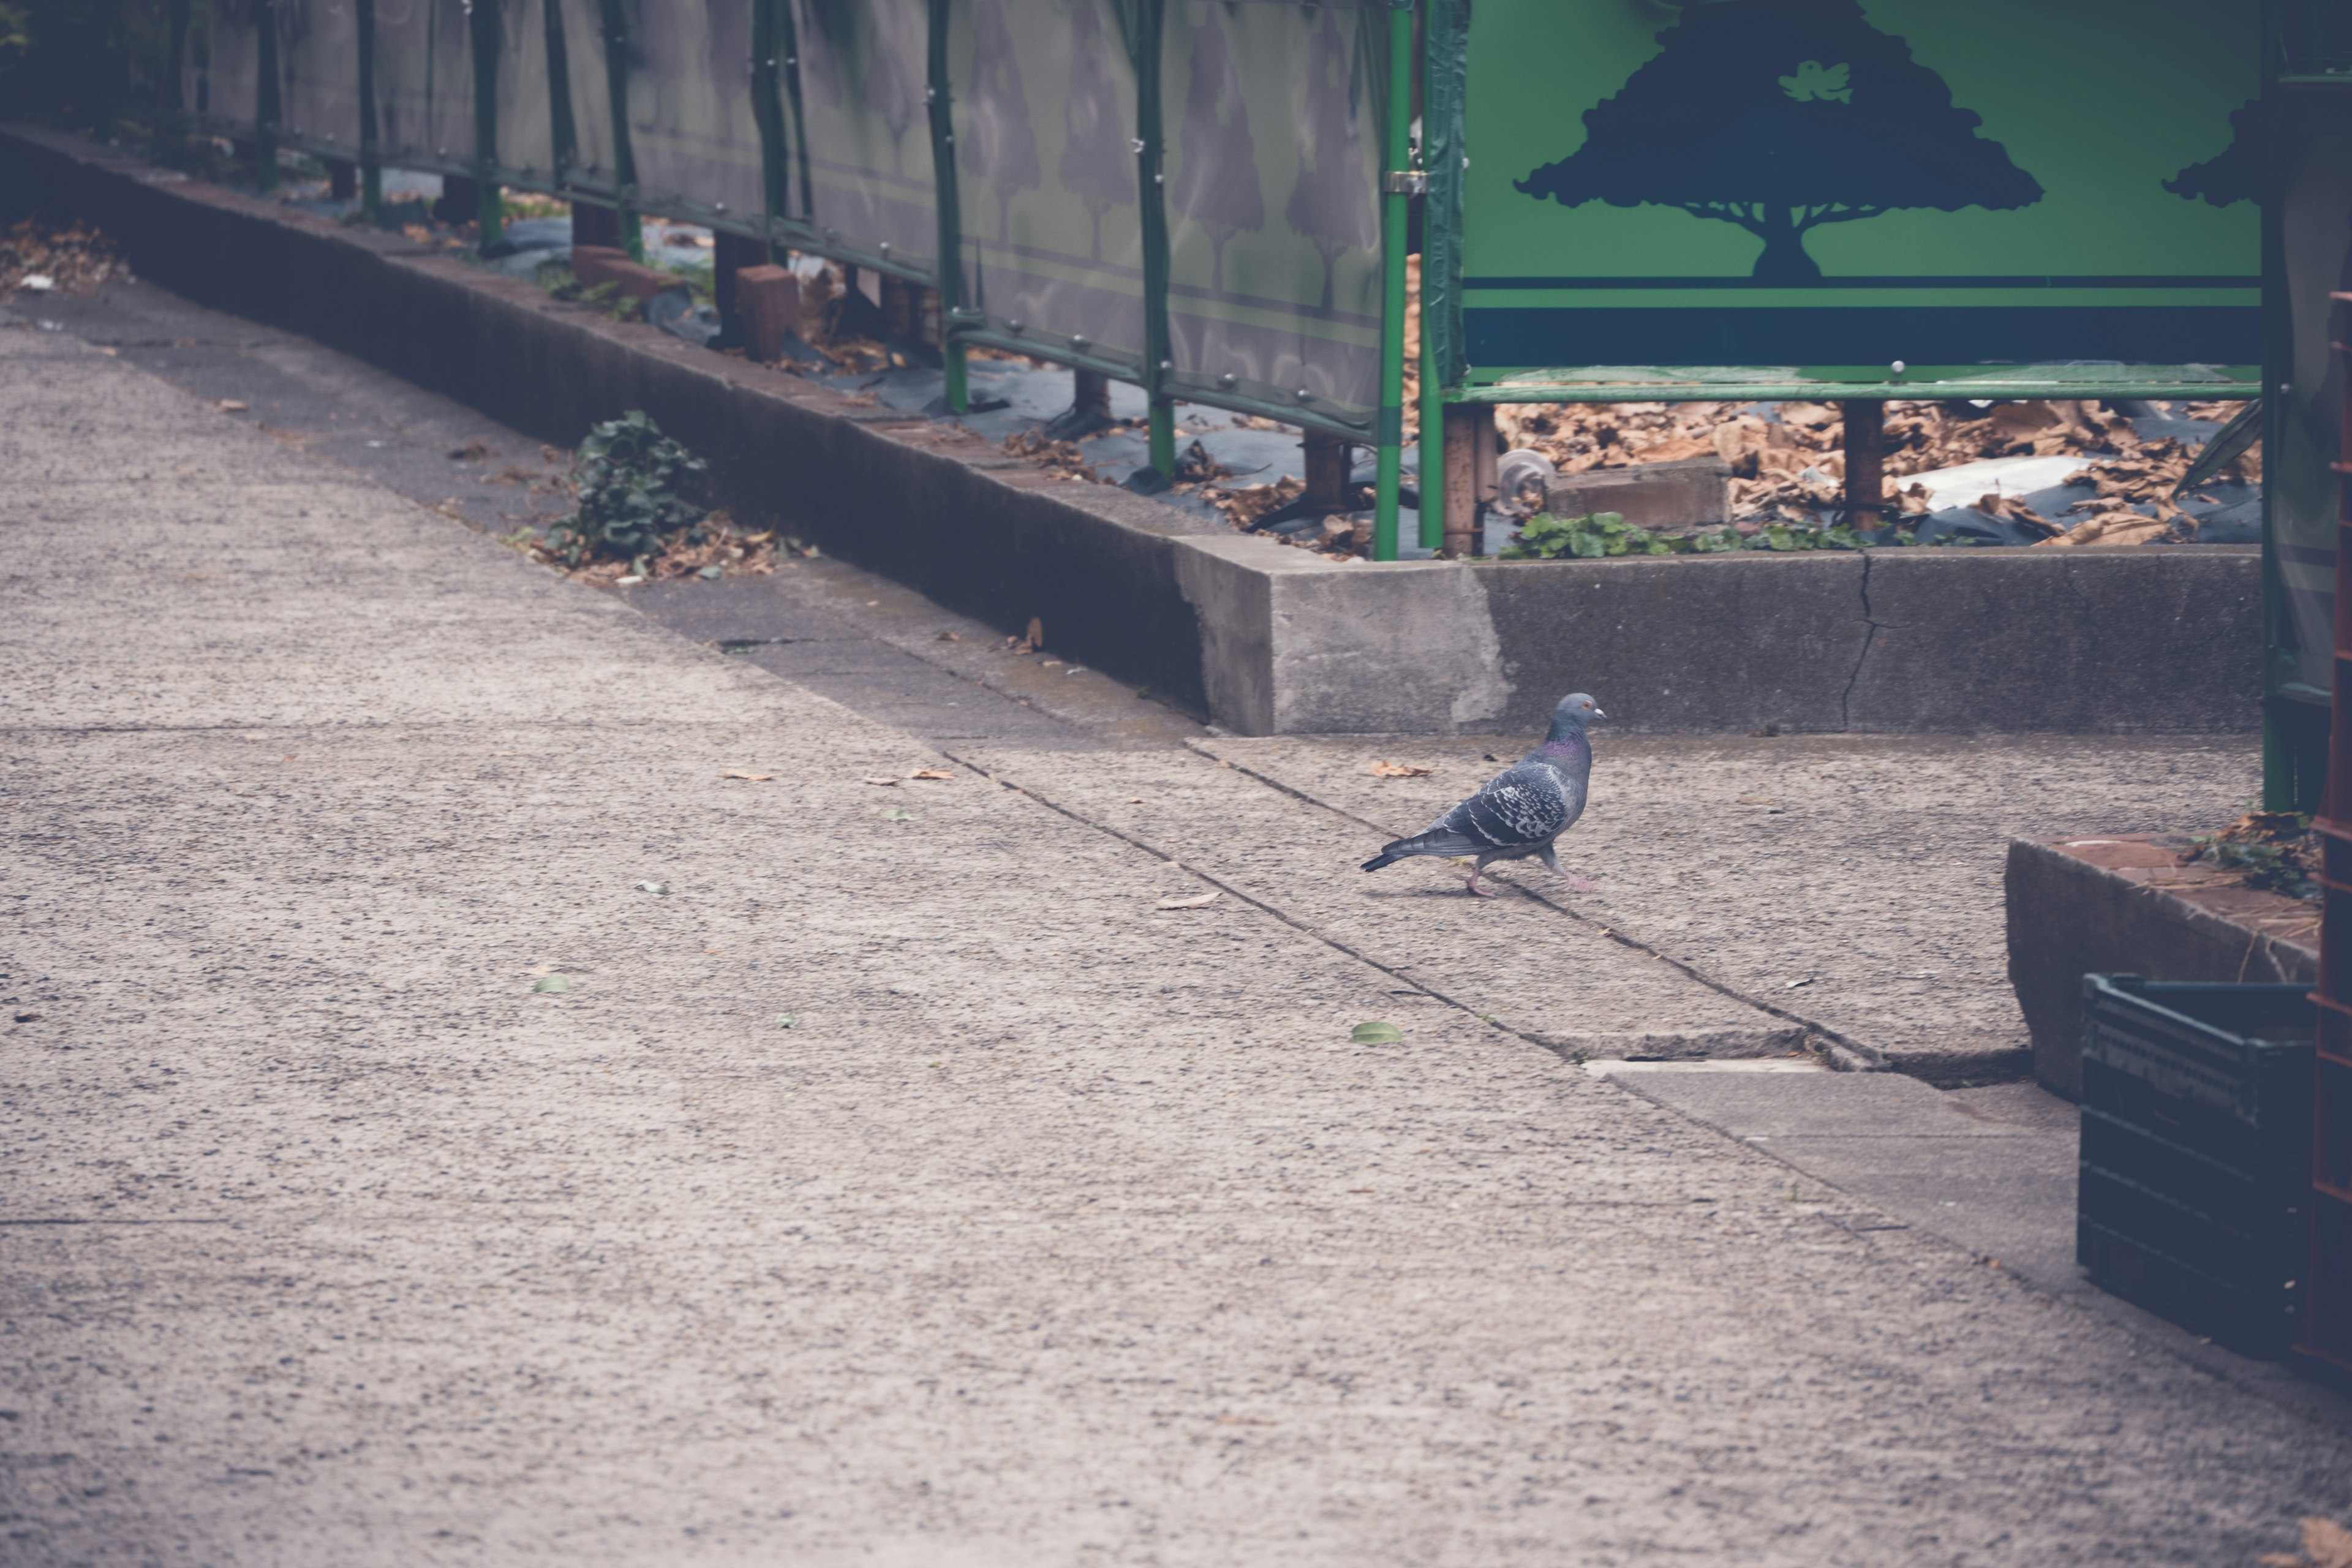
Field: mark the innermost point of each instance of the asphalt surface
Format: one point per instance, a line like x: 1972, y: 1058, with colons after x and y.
x: 449, y: 1121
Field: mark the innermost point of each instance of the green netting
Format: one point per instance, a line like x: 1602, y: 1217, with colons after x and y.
x: 423, y: 85
x: 858, y: 77
x: 581, y: 116
x: 2300, y: 488
x: 691, y: 128
x: 221, y: 83
x: 1274, y: 114
x: 525, y: 134
x: 318, y: 74
x: 1046, y: 169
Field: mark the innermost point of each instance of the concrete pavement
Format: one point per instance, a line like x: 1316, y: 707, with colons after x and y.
x: 1054, y: 1228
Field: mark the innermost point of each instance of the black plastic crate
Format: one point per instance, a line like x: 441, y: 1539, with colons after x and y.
x: 2196, y: 1165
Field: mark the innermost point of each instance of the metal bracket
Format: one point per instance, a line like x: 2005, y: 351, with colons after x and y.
x: 1404, y: 183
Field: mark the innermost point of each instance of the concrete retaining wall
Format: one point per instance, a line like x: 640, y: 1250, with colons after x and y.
x: 1263, y: 639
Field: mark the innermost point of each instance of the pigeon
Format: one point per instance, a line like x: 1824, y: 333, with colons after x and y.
x: 1520, y: 810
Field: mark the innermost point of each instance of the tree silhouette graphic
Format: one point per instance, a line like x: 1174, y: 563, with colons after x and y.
x: 2235, y: 173
x: 998, y: 144
x: 1780, y: 116
x: 893, y: 72
x: 1332, y: 204
x: 1097, y: 164
x: 1218, y: 185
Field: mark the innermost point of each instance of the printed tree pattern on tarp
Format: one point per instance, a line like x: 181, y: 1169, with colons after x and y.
x: 1780, y: 116
x: 223, y: 81
x: 1098, y: 121
x: 318, y: 74
x: 588, y: 96
x: 524, y: 133
x: 862, y: 71
x: 1275, y: 138
x: 424, y: 84
x: 2233, y: 174
x: 1045, y: 170
x: 692, y: 131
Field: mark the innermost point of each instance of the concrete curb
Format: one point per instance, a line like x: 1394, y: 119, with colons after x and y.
x: 1263, y: 639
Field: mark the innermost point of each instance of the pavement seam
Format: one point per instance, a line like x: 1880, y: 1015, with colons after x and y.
x: 1847, y: 1054
x: 1222, y: 886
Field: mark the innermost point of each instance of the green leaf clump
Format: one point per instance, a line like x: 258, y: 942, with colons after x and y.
x: 631, y: 481
x: 1544, y: 537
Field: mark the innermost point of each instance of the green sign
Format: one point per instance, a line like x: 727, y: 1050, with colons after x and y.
x: 1760, y: 191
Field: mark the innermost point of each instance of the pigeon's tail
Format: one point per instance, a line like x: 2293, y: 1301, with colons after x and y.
x: 1436, y: 841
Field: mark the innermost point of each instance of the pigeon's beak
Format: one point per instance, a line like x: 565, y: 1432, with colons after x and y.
x: 1597, y: 713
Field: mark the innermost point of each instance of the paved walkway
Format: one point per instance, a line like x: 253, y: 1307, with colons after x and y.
x: 1054, y: 1229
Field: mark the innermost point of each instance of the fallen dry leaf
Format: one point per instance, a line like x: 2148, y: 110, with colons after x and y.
x: 229, y: 405
x: 1194, y: 903
x: 930, y: 774
x: 1399, y: 770
x: 2326, y: 1544
x: 739, y: 774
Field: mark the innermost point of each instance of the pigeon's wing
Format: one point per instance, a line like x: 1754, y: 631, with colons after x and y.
x: 1526, y: 804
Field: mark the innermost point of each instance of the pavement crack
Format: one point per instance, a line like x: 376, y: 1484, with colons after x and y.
x: 1846, y: 697
x: 1865, y: 1057
x: 1326, y: 938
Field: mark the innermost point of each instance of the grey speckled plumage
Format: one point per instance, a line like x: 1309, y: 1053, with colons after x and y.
x: 1521, y: 810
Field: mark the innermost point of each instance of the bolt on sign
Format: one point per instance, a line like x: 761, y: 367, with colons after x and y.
x: 1685, y: 201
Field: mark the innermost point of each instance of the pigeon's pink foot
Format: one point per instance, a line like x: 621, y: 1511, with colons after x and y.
x: 1473, y: 885
x: 1578, y: 884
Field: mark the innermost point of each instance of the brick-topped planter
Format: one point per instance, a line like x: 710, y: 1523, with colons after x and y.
x: 2133, y: 903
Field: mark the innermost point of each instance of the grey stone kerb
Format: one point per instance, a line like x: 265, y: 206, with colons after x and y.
x: 1292, y: 643
x: 2015, y: 641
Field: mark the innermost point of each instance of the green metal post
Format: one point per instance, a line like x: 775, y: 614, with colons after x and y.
x: 947, y: 205
x: 791, y: 76
x: 267, y: 108
x: 1152, y: 188
x: 370, y: 171
x: 491, y: 208
x: 1393, y: 196
x: 1444, y: 49
x: 563, y: 130
x: 768, y: 114
x: 624, y: 161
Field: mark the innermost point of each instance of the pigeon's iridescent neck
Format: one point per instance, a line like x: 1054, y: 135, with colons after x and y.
x: 1566, y: 746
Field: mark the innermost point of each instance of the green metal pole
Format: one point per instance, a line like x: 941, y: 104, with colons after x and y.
x: 1443, y: 47
x: 1393, y: 196
x: 1152, y: 188
x: 491, y: 208
x: 768, y: 114
x: 370, y: 171
x: 624, y: 161
x: 949, y: 208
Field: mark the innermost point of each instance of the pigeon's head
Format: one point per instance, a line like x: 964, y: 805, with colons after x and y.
x: 1574, y: 712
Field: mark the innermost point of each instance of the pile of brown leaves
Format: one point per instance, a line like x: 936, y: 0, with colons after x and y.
x: 76, y: 258
x: 1054, y: 457
x: 726, y: 551
x: 1796, y: 468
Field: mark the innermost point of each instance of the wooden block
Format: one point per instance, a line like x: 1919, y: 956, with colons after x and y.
x: 595, y: 266
x: 1671, y: 496
x: 768, y: 300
